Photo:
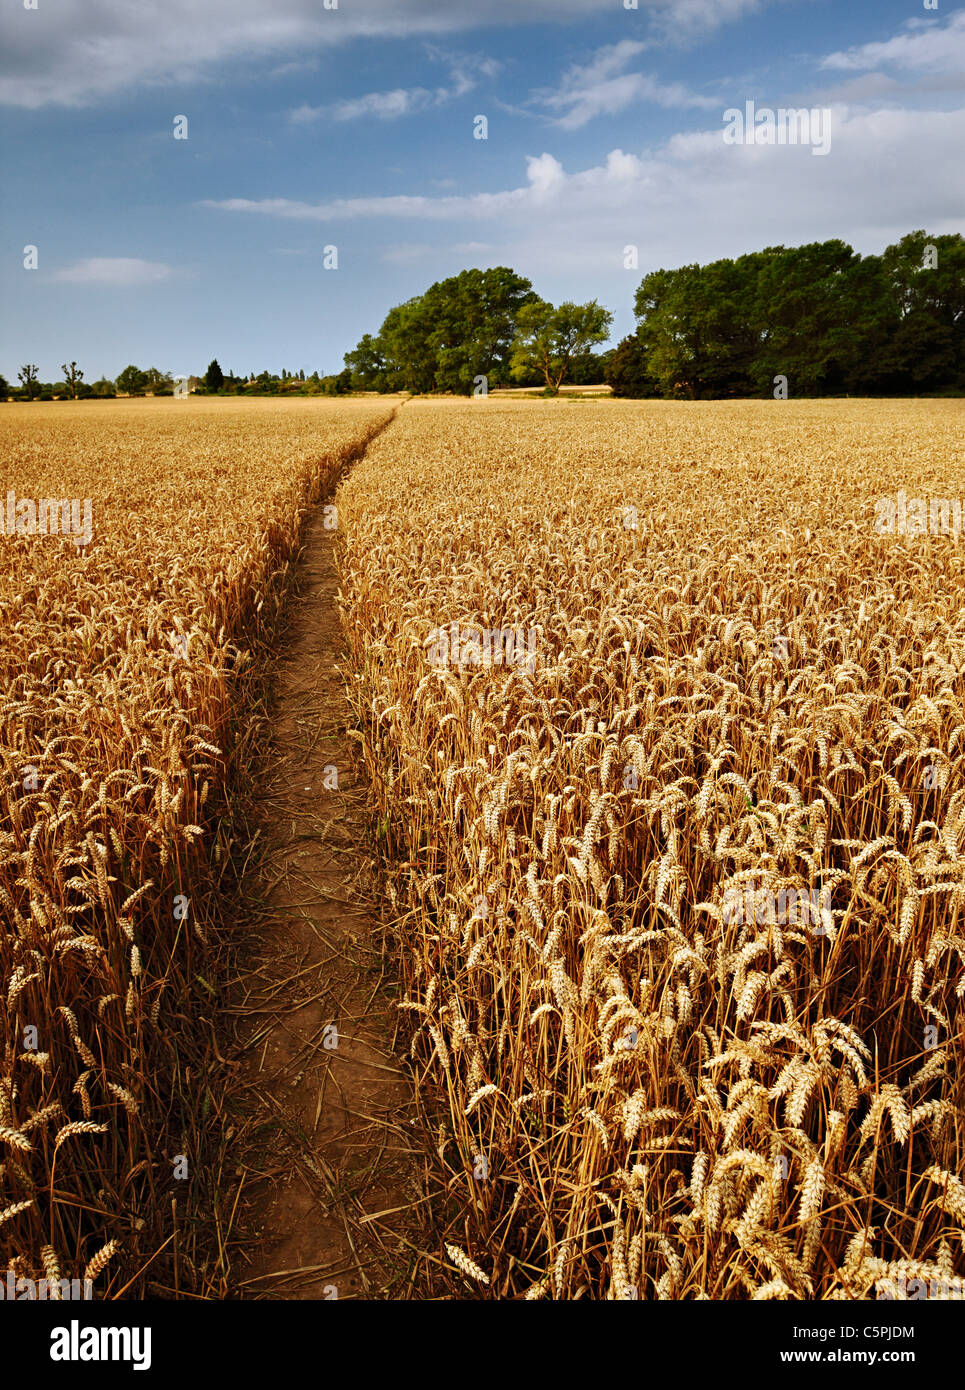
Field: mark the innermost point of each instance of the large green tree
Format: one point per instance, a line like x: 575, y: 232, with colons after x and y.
x: 626, y: 372
x: 698, y: 329
x: 549, y: 337
x: 132, y: 381
x: 926, y: 277
x: 474, y: 317
x: 459, y: 331
x: 410, y: 355
x: 367, y: 364
x: 804, y: 306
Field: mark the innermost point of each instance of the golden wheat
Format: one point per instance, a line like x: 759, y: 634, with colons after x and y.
x: 678, y: 901
x: 122, y: 667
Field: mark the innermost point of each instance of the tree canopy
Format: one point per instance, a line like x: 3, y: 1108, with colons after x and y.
x: 548, y: 338
x: 462, y: 329
x: 73, y: 376
x: 28, y: 378
x: 214, y: 376
x: 132, y: 381
x: 824, y: 317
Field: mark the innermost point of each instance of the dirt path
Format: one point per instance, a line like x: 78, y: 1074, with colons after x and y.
x: 331, y: 1173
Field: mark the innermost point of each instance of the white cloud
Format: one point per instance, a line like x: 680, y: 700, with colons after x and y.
x: 925, y: 46
x: 608, y: 61
x: 687, y: 18
x: 400, y: 102
x: 385, y: 105
x: 544, y: 174
x: 404, y: 101
x: 695, y: 198
x: 116, y: 271
x: 76, y: 52
x: 603, y: 87
x: 870, y: 86
x: 296, y: 66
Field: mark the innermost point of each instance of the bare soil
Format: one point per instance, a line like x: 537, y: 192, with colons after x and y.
x: 331, y: 1170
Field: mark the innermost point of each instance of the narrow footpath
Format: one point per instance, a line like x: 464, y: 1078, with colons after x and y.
x: 331, y: 1175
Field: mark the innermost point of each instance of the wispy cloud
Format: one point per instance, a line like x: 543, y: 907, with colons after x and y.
x: 117, y: 271
x: 544, y: 174
x: 464, y: 73
x: 297, y: 66
x: 401, y: 101
x: 689, y: 19
x: 924, y: 46
x: 78, y: 52
x: 660, y: 198
x: 602, y: 87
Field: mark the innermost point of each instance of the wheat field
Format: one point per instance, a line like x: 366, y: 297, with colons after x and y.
x: 668, y: 736
x: 123, y: 666
x: 665, y: 741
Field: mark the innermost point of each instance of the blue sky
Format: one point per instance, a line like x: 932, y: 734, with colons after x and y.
x: 311, y: 126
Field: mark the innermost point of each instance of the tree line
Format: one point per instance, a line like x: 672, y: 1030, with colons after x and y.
x: 810, y: 320
x: 135, y: 381
x: 820, y: 318
x: 131, y: 382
